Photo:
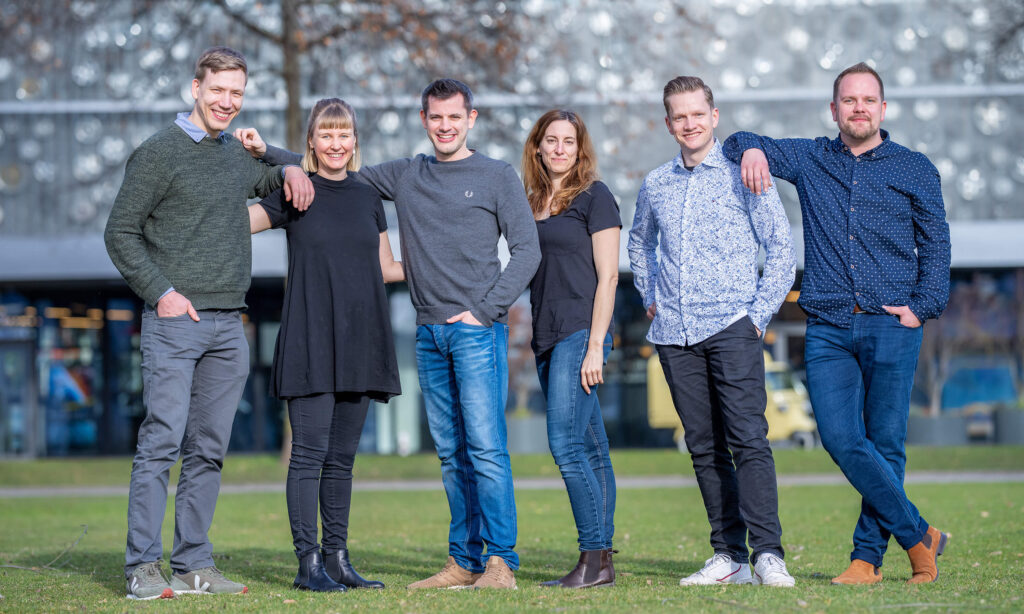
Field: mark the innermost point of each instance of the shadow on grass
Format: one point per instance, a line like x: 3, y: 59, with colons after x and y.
x: 276, y: 568
x: 541, y: 565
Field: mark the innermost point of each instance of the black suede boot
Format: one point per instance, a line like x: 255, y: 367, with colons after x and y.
x: 340, y: 570
x: 313, y: 577
x: 593, y: 569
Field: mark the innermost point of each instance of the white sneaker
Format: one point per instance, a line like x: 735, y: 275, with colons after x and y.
x: 719, y: 569
x: 770, y: 570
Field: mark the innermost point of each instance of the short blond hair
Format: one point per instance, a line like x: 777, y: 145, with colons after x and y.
x: 217, y: 59
x: 682, y: 85
x: 860, y: 68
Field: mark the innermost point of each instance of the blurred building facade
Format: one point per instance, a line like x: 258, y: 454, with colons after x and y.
x: 82, y: 83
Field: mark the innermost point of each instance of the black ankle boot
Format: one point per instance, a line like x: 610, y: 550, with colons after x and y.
x: 340, y: 570
x: 313, y: 577
x: 593, y: 569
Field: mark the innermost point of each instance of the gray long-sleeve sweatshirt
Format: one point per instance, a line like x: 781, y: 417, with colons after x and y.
x: 451, y: 215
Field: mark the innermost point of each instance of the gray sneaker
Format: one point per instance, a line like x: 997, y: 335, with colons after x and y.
x: 208, y: 580
x: 148, y: 582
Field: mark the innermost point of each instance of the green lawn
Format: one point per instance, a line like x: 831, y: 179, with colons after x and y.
x: 399, y: 537
x: 247, y: 468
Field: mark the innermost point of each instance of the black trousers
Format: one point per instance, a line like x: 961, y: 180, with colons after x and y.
x: 325, y: 435
x: 718, y: 389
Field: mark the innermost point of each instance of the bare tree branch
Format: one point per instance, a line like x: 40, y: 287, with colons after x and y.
x: 1006, y: 37
x: 249, y: 25
x: 49, y: 566
x: 85, y: 529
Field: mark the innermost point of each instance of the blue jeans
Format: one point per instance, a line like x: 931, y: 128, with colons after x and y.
x: 859, y: 380
x: 578, y: 441
x: 464, y: 378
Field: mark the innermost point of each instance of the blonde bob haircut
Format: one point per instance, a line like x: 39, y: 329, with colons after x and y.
x: 535, y: 176
x: 330, y: 114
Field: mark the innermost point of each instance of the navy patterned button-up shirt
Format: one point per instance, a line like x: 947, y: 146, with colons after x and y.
x: 694, y: 246
x: 875, y: 230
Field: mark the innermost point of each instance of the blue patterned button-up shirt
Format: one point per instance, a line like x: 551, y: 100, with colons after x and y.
x: 694, y: 246
x: 875, y: 230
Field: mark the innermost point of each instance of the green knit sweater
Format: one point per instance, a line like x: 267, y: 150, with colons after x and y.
x: 180, y: 219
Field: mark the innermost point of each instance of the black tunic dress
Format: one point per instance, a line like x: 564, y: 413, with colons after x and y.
x: 335, y: 331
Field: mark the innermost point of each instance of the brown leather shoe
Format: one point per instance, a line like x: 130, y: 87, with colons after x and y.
x: 859, y: 572
x: 593, y: 569
x: 496, y: 575
x: 451, y: 576
x: 924, y: 556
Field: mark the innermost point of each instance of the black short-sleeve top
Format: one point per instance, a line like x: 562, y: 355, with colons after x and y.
x: 335, y: 331
x: 562, y: 291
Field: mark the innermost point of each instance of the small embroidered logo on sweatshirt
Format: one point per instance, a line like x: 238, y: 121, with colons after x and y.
x: 469, y: 193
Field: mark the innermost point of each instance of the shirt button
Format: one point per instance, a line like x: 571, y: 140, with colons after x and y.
x: 852, y: 209
x: 857, y: 293
x: 853, y: 266
x: 855, y: 182
x: 851, y: 237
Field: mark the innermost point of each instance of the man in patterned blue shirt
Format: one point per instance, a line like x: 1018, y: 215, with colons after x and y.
x: 693, y: 250
x: 876, y: 266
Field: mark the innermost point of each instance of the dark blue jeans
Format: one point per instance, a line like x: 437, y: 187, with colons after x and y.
x: 859, y: 380
x: 578, y: 441
x: 464, y: 378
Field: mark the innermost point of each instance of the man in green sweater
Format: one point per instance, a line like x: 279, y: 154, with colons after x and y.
x: 179, y: 234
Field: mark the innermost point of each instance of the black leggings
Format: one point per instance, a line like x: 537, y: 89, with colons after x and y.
x: 325, y: 435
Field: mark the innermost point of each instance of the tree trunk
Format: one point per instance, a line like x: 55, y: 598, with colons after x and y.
x: 293, y: 135
x: 294, y: 130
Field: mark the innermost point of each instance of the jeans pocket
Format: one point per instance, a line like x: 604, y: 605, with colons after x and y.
x: 900, y: 324
x: 469, y: 326
x: 179, y: 317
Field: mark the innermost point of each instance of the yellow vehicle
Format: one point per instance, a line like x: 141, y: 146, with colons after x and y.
x: 788, y: 411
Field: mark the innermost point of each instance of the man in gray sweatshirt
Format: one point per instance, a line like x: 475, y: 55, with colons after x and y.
x: 452, y: 208
x: 179, y: 234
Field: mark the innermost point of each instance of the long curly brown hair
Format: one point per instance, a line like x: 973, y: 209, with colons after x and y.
x: 535, y: 176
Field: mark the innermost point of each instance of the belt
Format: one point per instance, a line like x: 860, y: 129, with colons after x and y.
x: 857, y: 309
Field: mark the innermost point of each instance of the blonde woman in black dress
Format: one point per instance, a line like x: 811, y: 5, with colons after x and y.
x: 335, y: 351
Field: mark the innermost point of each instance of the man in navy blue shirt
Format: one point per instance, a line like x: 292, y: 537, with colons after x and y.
x: 876, y: 266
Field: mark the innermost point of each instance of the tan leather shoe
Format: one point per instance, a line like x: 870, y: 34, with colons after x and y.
x: 924, y: 556
x: 859, y: 572
x: 496, y: 575
x: 451, y: 576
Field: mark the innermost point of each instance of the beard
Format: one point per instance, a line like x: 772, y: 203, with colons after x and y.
x: 859, y: 131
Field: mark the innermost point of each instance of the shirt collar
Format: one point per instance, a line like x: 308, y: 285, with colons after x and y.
x: 714, y: 158
x: 839, y: 145
x: 193, y: 131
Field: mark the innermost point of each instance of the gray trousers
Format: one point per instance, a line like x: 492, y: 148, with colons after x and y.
x: 193, y: 375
